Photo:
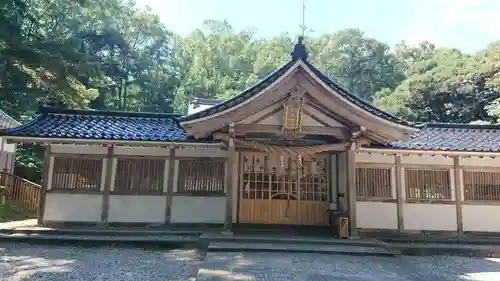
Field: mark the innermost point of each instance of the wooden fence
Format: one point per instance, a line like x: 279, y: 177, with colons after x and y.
x: 21, y: 192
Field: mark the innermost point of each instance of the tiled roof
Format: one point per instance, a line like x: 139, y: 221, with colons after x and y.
x: 457, y: 137
x: 7, y: 122
x: 128, y: 126
x: 86, y: 124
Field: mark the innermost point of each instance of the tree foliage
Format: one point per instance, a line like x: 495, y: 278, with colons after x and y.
x: 111, y: 54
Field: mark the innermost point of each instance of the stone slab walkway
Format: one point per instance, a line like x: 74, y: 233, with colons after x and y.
x: 298, y: 248
x: 17, y: 224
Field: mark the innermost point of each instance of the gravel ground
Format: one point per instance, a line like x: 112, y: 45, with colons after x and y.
x: 311, y: 267
x: 21, y: 262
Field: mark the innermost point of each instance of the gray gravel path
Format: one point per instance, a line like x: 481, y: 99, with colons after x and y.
x: 21, y: 262
x: 311, y: 267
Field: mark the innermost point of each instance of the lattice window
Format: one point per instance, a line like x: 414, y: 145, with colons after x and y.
x: 373, y: 182
x: 201, y: 175
x: 427, y: 184
x: 481, y: 186
x: 284, y: 178
x: 77, y: 174
x: 139, y: 176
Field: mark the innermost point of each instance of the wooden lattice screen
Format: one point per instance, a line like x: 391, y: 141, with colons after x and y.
x: 480, y: 185
x: 201, y: 175
x: 139, y: 176
x: 76, y: 174
x: 427, y: 184
x: 373, y: 182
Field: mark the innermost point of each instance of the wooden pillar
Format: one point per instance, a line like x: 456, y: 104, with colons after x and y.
x: 107, y: 185
x: 231, y: 161
x: 333, y: 205
x: 2, y: 147
x: 400, y: 196
x: 43, y: 192
x: 351, y: 189
x: 458, y: 194
x: 170, y: 184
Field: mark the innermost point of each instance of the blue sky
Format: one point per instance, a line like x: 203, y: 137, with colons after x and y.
x: 465, y: 24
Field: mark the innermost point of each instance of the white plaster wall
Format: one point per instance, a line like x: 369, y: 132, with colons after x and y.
x: 73, y: 207
x: 433, y: 160
x: 142, y: 151
x: 194, y: 209
x: 365, y: 157
x: 200, y: 151
x: 9, y: 147
x: 432, y: 217
x: 7, y: 160
x: 480, y: 161
x: 78, y: 149
x: 484, y: 218
x: 137, y: 208
x: 376, y: 215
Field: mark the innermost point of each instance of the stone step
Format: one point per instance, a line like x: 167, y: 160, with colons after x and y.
x: 431, y: 249
x: 298, y: 248
x: 174, y: 240
x: 469, y: 240
x: 290, y: 240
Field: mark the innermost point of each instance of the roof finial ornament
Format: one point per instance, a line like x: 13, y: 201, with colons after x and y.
x: 299, y: 50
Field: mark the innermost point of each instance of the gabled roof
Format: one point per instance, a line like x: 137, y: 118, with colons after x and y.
x: 299, y: 54
x: 102, y: 125
x: 337, y: 87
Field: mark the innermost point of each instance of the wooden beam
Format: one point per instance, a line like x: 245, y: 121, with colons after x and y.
x: 336, y: 103
x: 43, y: 192
x: 107, y: 185
x: 170, y: 184
x: 458, y: 194
x: 312, y: 106
x: 262, y: 146
x: 264, y: 114
x: 340, y: 133
x: 321, y: 116
x: 231, y: 161
x: 430, y: 152
x: 351, y: 189
x: 399, y: 192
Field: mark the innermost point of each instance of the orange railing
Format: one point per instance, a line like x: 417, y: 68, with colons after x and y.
x: 19, y: 191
